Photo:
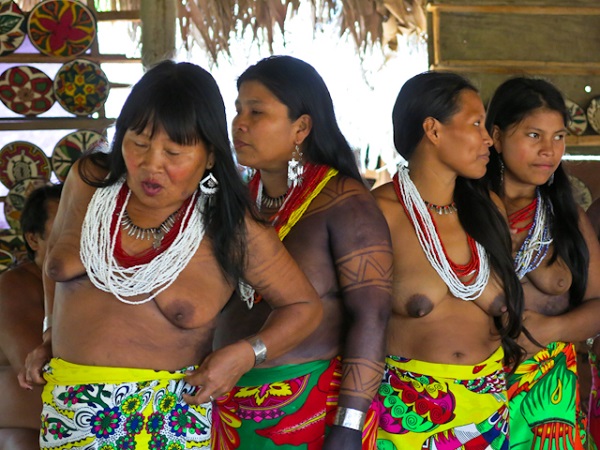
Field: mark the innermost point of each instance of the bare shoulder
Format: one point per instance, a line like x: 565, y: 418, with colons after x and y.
x: 385, y: 196
x: 20, y: 285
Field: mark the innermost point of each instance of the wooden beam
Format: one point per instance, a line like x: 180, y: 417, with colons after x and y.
x: 518, y: 66
x: 55, y: 123
x: 41, y: 58
x: 509, y: 9
x: 116, y: 16
x: 592, y: 140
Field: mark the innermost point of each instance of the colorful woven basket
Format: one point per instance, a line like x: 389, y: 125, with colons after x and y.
x: 81, y: 87
x: 26, y: 90
x: 61, y: 27
x: 70, y: 148
x: 12, y: 27
x: 15, y: 200
x: 20, y: 160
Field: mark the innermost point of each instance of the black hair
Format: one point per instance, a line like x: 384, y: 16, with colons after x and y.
x: 35, y: 212
x: 299, y: 86
x: 514, y: 100
x: 185, y: 101
x: 437, y: 95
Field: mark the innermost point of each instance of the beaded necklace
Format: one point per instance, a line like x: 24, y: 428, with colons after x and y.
x: 99, y: 237
x: 538, y: 240
x: 420, y: 216
x: 271, y: 202
x: 441, y: 210
x: 523, y: 215
x: 297, y: 201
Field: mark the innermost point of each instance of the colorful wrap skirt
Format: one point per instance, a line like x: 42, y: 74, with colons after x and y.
x: 544, y: 401
x: 284, y: 408
x: 594, y: 406
x: 425, y: 405
x: 110, y: 408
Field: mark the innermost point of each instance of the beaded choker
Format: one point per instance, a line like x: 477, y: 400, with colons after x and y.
x: 272, y: 202
x: 157, y: 234
x: 443, y: 209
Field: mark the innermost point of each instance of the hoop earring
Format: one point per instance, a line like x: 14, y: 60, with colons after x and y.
x: 295, y: 168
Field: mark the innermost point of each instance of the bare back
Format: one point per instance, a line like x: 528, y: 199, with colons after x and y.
x: 428, y: 323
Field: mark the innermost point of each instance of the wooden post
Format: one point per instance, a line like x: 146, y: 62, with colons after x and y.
x: 158, y: 30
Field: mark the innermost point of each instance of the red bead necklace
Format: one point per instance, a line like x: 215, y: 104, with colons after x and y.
x: 525, y: 214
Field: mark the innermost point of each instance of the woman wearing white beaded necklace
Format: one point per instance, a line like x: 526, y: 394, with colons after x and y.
x: 457, y: 301
x: 557, y: 258
x: 135, y: 312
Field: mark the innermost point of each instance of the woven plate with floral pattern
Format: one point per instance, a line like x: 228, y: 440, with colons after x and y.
x: 12, y: 27
x: 81, y: 87
x: 577, y: 119
x: 70, y: 148
x: 20, y: 160
x: 15, y: 199
x: 61, y: 27
x: 26, y: 90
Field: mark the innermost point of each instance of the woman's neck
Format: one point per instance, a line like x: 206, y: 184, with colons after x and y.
x: 434, y: 182
x: 274, y: 183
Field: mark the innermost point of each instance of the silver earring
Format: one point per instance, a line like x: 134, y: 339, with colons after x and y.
x: 295, y: 168
x: 501, y: 170
x: 209, y: 185
x: 551, y: 179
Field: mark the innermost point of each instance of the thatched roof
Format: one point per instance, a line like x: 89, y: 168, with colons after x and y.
x: 215, y: 22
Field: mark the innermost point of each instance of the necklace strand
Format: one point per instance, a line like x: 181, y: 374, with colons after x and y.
x: 272, y: 202
x: 156, y: 234
x: 97, y: 250
x: 441, y: 209
x: 538, y: 240
x: 432, y: 246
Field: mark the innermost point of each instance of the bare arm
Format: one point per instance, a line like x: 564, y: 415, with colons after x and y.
x: 582, y: 322
x: 21, y: 313
x: 361, y: 247
x: 296, y: 314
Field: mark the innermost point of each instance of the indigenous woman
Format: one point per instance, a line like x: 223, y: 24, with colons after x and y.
x: 555, y: 255
x: 147, y: 247
x: 593, y: 213
x: 457, y: 302
x: 307, y: 185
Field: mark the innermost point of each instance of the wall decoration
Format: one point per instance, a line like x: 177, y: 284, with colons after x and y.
x: 26, y: 90
x: 81, y: 87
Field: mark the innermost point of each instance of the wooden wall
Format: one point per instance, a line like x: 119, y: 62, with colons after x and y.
x: 491, y: 40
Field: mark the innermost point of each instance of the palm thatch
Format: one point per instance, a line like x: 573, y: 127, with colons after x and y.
x: 214, y: 22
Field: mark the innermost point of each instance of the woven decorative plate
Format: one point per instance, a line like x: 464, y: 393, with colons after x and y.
x: 11, y: 241
x: 26, y: 90
x: 12, y: 27
x: 593, y: 114
x: 577, y: 119
x: 20, y: 160
x: 70, y: 148
x: 15, y: 200
x: 61, y: 27
x: 6, y: 260
x: 81, y: 87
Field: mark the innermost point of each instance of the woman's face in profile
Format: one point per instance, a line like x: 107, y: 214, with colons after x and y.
x: 161, y: 172
x: 263, y: 134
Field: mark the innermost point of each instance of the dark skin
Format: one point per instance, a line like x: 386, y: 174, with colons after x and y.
x: 21, y: 315
x: 342, y: 246
x: 428, y: 323
x: 175, y: 329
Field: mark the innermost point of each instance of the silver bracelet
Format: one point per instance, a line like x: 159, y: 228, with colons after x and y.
x: 350, y: 418
x: 260, y: 349
x: 47, y: 323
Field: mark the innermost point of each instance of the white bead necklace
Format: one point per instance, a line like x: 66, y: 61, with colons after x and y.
x: 432, y: 246
x: 98, y: 247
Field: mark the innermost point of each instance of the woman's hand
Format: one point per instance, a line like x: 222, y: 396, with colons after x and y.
x: 219, y: 372
x: 31, y: 373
